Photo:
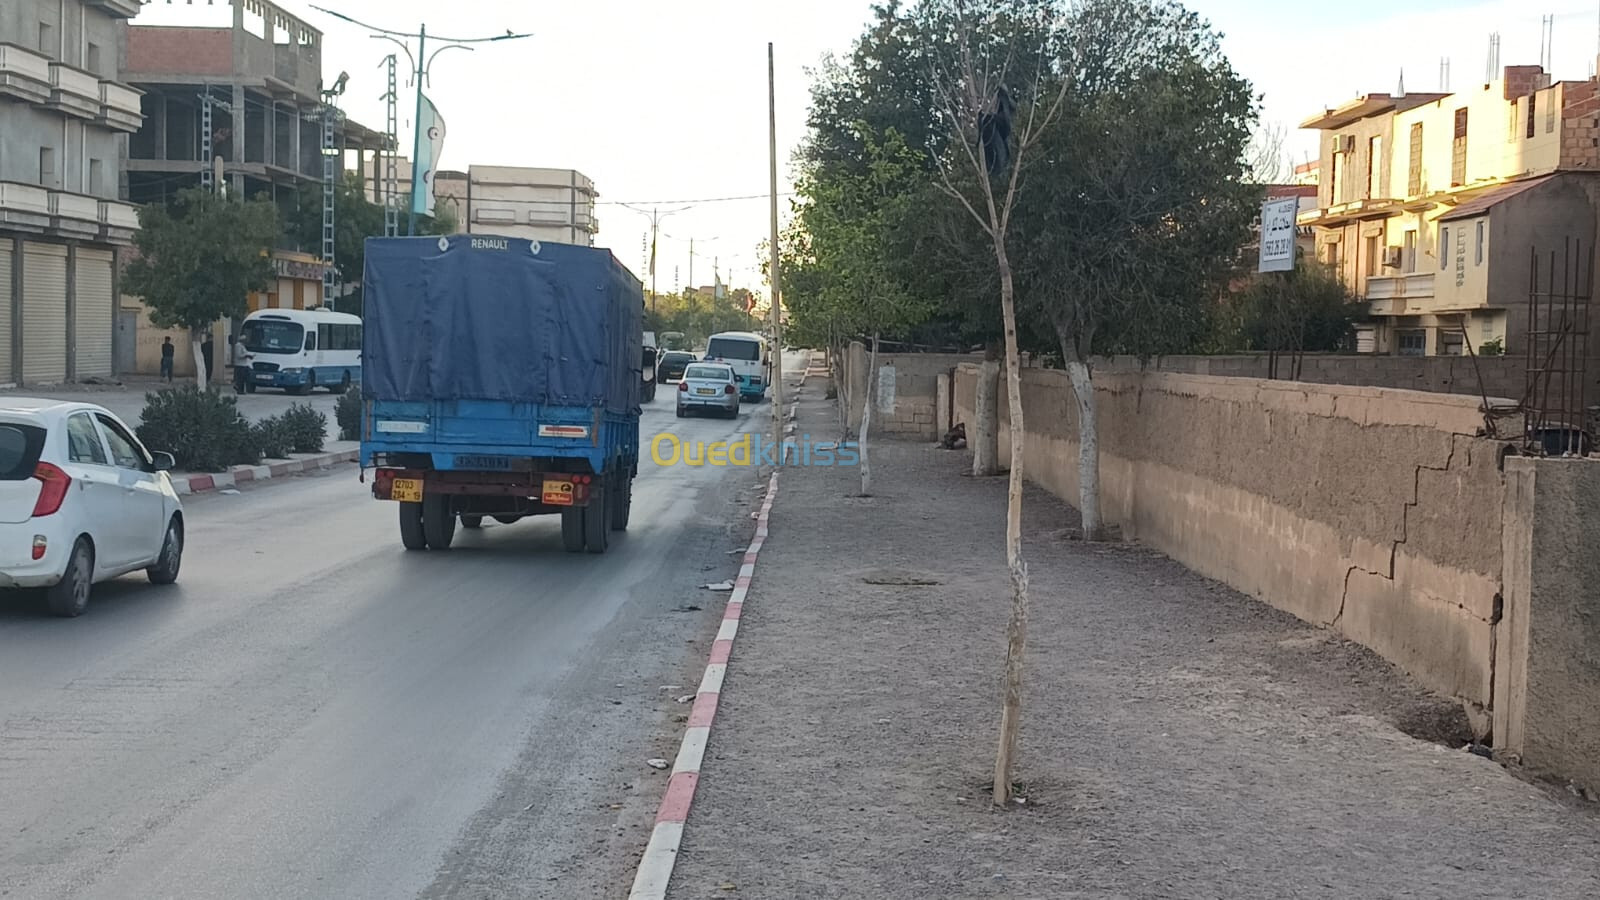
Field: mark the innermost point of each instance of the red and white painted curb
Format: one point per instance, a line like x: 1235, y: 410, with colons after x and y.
x: 661, y: 854
x: 196, y: 484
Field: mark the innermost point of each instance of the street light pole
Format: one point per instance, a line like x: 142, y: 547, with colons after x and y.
x: 416, y: 128
x: 420, y: 66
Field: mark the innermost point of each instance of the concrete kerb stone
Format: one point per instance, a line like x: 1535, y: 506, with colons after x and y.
x: 199, y: 484
x: 661, y: 853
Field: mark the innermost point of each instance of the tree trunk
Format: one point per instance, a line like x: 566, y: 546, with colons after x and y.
x: 196, y: 338
x: 1017, y: 627
x: 985, y: 436
x: 1088, y: 443
x: 866, y: 417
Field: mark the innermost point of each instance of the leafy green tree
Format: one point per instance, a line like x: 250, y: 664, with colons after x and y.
x: 199, y: 260
x: 1307, y: 310
x: 1141, y: 199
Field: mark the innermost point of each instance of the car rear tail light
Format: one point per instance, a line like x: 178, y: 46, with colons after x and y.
x: 683, y: 387
x: 728, y: 389
x: 54, y: 490
x: 40, y: 545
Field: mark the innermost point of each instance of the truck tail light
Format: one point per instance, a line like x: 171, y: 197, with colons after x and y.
x: 53, y: 491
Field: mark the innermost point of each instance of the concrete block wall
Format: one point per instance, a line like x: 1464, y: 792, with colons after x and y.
x: 1503, y: 377
x: 1547, y: 667
x: 1374, y: 512
x: 910, y: 407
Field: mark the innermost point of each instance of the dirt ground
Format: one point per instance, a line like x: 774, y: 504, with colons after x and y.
x: 1179, y: 740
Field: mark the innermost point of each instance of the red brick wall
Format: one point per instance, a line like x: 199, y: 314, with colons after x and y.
x: 1523, y: 80
x: 156, y: 50
x: 1580, y: 125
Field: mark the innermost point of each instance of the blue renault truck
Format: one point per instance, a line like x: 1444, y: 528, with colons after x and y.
x: 501, y: 379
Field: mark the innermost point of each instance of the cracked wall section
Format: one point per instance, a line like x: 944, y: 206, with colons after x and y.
x: 1372, y: 511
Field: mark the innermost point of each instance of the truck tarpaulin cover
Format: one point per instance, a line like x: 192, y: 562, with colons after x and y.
x: 474, y: 317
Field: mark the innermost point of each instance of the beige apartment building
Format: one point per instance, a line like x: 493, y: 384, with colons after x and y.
x: 1431, y: 205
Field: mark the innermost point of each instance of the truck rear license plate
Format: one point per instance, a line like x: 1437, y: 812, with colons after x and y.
x: 406, y: 490
x: 709, y: 392
x: 558, y: 493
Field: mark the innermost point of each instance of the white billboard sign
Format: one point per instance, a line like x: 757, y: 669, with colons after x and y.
x: 1278, y: 234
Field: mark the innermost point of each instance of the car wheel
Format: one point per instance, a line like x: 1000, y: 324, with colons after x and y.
x: 472, y: 523
x: 411, y: 533
x: 438, y: 523
x: 343, y: 386
x: 70, y: 596
x: 165, y: 570
x: 680, y: 412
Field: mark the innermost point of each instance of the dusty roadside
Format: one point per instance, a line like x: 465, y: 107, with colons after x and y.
x: 1179, y: 740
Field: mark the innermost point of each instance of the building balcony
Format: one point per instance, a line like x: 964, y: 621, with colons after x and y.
x: 24, y: 206
x: 75, y: 214
x: 118, y: 221
x: 127, y: 9
x: 74, y: 91
x: 119, y: 107
x: 1391, y: 295
x: 24, y: 74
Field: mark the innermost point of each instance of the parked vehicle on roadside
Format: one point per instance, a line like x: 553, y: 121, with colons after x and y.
x: 299, y: 350
x: 750, y: 357
x: 672, y: 364
x: 81, y: 502
x: 710, y: 386
x: 502, y: 381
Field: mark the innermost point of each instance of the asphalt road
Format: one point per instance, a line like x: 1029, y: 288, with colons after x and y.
x: 313, y: 712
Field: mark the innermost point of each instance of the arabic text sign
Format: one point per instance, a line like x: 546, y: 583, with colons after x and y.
x: 1278, y: 234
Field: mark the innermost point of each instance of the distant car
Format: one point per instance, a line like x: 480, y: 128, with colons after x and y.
x: 672, y: 364
x: 81, y: 502
x: 709, y: 386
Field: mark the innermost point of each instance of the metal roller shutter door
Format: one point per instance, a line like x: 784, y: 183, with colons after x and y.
x: 44, y: 313
x: 5, y: 311
x: 93, y: 311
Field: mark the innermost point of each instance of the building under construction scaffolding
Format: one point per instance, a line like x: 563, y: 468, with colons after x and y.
x: 235, y: 79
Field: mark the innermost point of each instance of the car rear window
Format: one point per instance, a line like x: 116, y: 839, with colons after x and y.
x: 709, y: 373
x: 20, y: 447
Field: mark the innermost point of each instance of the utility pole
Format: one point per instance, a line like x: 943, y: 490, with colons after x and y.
x: 778, y: 414
x: 421, y: 64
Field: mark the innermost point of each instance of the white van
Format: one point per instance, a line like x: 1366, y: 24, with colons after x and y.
x: 298, y: 350
x: 749, y: 356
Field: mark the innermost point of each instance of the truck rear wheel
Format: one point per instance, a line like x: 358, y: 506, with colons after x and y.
x: 622, y: 506
x: 438, y: 522
x: 572, y: 529
x: 472, y: 523
x: 411, y: 534
x: 597, y: 517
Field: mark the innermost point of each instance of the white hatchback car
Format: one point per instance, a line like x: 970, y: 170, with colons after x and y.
x: 81, y: 502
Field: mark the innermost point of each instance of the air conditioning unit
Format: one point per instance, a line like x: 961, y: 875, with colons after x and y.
x: 1392, y: 257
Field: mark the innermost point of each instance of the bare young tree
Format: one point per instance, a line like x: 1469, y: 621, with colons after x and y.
x: 1267, y: 156
x: 998, y: 88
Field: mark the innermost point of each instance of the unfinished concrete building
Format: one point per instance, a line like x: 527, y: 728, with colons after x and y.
x: 261, y: 68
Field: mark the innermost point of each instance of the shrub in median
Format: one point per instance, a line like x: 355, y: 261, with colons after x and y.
x: 273, y: 437
x: 307, y: 428
x: 203, y: 430
x: 348, y: 415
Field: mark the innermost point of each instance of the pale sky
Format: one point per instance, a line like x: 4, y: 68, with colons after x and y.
x: 667, y: 101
